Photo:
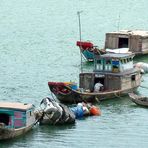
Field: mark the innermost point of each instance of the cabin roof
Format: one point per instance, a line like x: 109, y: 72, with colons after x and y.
x: 117, y: 55
x: 131, y: 32
x: 20, y: 106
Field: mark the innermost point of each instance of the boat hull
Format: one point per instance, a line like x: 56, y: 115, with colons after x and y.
x: 139, y: 100
x: 89, y: 55
x: 73, y: 96
x: 6, y: 133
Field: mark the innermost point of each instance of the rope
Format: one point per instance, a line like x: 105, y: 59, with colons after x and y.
x: 97, y: 100
x: 52, y: 96
x: 40, y: 117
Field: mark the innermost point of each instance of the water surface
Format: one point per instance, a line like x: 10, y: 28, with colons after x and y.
x: 38, y: 44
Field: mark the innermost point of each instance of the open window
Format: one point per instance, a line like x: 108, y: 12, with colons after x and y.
x: 4, y: 118
x: 123, y: 43
x: 133, y: 77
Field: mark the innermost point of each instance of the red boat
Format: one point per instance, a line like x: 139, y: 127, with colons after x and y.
x: 88, y: 50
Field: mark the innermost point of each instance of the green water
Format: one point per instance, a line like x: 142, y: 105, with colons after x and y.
x: 38, y: 44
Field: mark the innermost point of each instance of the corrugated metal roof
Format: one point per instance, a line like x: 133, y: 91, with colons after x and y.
x: 14, y: 105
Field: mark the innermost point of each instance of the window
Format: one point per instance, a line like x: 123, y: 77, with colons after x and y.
x: 98, y: 61
x: 108, y: 62
x: 133, y: 77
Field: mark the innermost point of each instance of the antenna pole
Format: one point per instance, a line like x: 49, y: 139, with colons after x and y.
x: 79, y: 19
x: 119, y: 22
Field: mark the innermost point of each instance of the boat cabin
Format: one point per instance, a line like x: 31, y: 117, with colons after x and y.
x: 113, y: 71
x: 16, y: 115
x: 135, y: 40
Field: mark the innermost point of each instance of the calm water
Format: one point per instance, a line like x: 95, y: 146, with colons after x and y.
x: 37, y: 45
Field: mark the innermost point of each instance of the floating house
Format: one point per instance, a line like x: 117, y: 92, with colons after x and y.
x: 135, y: 40
x: 15, y: 119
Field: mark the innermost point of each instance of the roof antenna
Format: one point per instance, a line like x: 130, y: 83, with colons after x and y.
x: 118, y: 25
x: 79, y: 18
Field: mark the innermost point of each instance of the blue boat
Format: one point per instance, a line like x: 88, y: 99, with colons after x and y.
x: 15, y: 119
x: 88, y: 50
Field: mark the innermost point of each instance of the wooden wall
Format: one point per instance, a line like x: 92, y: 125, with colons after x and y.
x: 86, y: 81
x: 112, y: 82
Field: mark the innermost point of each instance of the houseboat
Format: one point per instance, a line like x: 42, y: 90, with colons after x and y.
x: 134, y: 40
x: 113, y: 75
x: 15, y: 119
x: 123, y: 41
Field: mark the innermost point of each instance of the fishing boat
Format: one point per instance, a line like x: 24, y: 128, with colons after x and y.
x: 113, y: 75
x: 123, y: 41
x: 139, y: 100
x: 15, y: 119
x: 88, y: 50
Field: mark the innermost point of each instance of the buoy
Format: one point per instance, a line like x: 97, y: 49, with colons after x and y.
x: 95, y: 111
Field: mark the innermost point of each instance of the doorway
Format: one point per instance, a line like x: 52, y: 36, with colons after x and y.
x: 123, y: 43
x: 4, y: 118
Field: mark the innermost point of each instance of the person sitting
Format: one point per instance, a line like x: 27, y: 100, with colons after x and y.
x: 98, y: 87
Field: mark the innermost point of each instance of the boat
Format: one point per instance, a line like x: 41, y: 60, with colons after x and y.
x: 135, y: 40
x: 88, y: 50
x: 139, y: 100
x: 123, y: 41
x: 115, y: 72
x: 15, y: 119
x: 143, y: 66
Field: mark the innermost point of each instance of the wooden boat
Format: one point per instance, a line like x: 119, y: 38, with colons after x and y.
x: 139, y: 100
x: 123, y: 41
x: 88, y: 50
x: 135, y: 40
x: 15, y: 119
x: 114, y: 71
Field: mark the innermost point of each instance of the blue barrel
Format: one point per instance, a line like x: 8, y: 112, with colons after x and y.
x: 78, y: 111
